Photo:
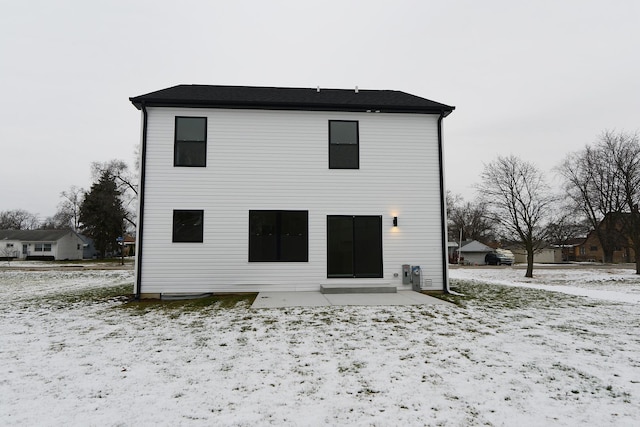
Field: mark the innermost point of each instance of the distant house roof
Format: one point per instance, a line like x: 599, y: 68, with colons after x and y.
x: 290, y: 99
x: 34, y: 235
x: 475, y: 246
x: 574, y: 242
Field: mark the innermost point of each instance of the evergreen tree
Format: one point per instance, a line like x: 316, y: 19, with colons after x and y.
x: 102, y: 214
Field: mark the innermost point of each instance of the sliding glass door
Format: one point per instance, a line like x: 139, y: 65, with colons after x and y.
x: 354, y: 246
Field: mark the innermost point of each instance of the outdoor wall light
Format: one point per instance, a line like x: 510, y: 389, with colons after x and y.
x: 395, y: 221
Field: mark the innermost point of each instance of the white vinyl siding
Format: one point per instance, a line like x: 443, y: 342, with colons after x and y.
x: 11, y: 249
x: 67, y: 247
x: 277, y: 160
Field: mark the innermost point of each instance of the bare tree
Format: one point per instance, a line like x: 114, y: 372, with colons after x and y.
x: 518, y: 200
x: 50, y: 223
x: 472, y: 220
x: 603, y: 181
x: 68, y: 215
x: 119, y: 170
x: 452, y: 200
x: 623, y: 150
x: 18, y: 219
x: 566, y: 226
x: 590, y: 182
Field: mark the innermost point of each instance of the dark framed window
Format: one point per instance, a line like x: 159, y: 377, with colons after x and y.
x: 344, y: 144
x: 278, y: 236
x: 354, y: 246
x: 190, y: 145
x: 593, y: 248
x: 188, y: 226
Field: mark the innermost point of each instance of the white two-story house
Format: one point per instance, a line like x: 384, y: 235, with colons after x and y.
x: 248, y: 189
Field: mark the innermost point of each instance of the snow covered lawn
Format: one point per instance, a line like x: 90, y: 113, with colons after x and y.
x: 73, y: 352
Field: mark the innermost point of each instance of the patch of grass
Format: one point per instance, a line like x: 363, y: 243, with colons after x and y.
x: 368, y: 391
x: 226, y: 301
x: 81, y: 262
x: 87, y: 296
x: 122, y: 293
x: 493, y: 296
x: 354, y: 367
x: 458, y: 300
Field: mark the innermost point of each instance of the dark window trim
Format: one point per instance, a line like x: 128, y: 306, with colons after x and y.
x: 357, y: 144
x: 279, y: 237
x: 173, y: 226
x: 176, y: 141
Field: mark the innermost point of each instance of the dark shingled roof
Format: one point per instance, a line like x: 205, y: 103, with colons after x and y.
x: 33, y: 235
x: 290, y: 99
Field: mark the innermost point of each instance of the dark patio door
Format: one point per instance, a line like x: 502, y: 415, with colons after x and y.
x: 354, y: 246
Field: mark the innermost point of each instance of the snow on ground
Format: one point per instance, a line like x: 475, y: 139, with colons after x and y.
x: 74, y: 353
x: 47, y: 265
x: 603, y: 282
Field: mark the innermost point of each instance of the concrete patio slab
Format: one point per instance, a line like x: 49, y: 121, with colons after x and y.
x: 289, y: 299
x: 316, y: 299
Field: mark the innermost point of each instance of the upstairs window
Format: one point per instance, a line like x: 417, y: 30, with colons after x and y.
x: 188, y: 226
x: 343, y: 145
x: 278, y: 236
x: 190, y: 146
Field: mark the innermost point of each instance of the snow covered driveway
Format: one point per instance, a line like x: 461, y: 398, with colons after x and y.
x: 73, y: 353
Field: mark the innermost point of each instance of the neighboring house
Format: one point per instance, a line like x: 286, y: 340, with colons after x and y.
x: 591, y: 248
x: 570, y: 248
x: 546, y: 255
x: 473, y: 252
x: 89, y: 250
x: 258, y: 188
x: 41, y: 244
x: 129, y: 245
x: 452, y: 252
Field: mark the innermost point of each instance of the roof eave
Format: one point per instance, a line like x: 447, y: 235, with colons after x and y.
x: 444, y: 110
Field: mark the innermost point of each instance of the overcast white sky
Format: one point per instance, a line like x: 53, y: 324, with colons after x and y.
x: 536, y: 79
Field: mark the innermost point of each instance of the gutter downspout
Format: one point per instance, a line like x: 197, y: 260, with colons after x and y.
x: 140, y: 228
x: 443, y: 209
